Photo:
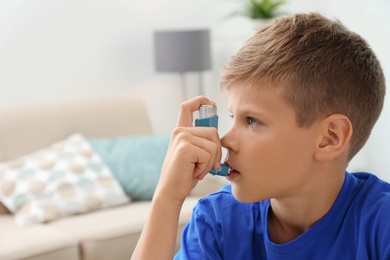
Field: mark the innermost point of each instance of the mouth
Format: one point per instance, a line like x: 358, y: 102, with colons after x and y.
x: 232, y: 172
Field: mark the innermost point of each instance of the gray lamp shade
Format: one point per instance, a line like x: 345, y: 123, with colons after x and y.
x: 182, y: 51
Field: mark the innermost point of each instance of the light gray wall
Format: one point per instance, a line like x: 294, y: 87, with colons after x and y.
x: 53, y: 50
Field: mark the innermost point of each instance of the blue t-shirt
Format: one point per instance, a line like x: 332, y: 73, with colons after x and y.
x: 356, y: 227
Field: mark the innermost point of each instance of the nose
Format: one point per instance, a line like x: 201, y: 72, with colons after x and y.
x: 229, y: 141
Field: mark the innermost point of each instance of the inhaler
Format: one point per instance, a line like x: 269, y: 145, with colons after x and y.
x: 208, y: 117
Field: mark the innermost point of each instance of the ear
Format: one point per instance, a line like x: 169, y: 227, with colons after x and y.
x: 335, y: 135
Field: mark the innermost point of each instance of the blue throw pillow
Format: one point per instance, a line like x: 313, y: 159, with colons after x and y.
x: 135, y: 161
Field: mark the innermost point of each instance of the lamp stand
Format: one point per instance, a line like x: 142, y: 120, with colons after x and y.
x: 201, y: 88
x: 183, y: 86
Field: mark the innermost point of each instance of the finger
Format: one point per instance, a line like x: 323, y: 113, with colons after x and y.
x: 211, y: 151
x: 204, y: 133
x: 189, y: 107
x: 208, y: 133
x: 204, y: 138
x: 211, y: 134
x: 203, y: 159
x: 201, y: 176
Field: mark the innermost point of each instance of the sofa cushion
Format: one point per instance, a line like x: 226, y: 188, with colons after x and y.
x: 64, y: 179
x: 116, y: 228
x: 136, y: 162
x: 36, y: 240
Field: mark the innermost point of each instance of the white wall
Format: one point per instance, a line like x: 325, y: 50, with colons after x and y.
x: 53, y: 50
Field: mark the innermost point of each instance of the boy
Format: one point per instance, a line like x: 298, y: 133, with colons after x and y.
x: 305, y: 93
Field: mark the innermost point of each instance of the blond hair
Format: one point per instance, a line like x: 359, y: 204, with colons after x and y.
x: 324, y: 68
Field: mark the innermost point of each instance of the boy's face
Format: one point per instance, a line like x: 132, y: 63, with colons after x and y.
x: 269, y: 155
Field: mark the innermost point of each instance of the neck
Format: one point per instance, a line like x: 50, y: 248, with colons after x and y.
x: 290, y: 217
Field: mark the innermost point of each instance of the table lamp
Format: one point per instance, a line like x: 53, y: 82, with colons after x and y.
x: 183, y: 51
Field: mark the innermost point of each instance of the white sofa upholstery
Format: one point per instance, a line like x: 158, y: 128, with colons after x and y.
x: 111, y: 233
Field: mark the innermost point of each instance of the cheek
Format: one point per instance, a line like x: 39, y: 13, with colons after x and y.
x: 294, y: 142
x: 288, y: 152
x: 272, y: 166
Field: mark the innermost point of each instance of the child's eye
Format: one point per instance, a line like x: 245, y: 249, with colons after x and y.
x: 252, y: 122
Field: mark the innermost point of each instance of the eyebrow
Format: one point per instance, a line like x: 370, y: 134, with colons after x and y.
x: 246, y: 110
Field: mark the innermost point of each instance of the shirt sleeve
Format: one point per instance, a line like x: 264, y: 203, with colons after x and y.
x: 201, y: 236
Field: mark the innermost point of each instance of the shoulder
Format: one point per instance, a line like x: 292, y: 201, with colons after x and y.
x: 371, y: 192
x: 370, y: 187
x: 373, y: 202
x: 368, y: 202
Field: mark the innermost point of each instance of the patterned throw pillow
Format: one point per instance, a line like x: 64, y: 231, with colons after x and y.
x: 64, y: 179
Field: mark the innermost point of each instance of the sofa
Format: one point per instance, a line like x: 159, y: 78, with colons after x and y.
x: 109, y: 232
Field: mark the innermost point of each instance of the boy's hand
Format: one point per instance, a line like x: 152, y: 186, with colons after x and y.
x: 192, y: 152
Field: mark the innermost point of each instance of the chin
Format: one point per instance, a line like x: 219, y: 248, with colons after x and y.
x: 245, y: 197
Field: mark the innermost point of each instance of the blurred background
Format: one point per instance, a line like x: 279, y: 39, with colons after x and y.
x: 53, y: 50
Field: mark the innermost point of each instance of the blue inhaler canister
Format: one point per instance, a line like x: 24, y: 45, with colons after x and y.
x: 208, y: 117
